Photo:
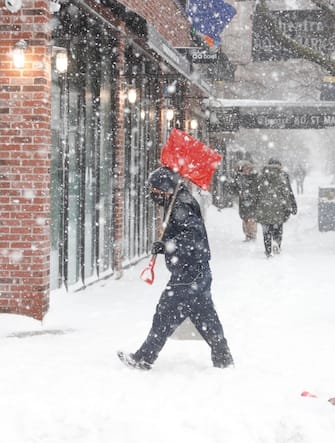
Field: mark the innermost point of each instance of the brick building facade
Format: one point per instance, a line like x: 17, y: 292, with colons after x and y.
x: 25, y: 108
x: 74, y: 152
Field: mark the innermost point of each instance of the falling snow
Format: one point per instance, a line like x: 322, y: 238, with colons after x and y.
x: 62, y: 382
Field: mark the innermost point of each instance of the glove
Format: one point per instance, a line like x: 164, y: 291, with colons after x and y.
x: 287, y: 214
x: 294, y: 209
x: 158, y: 247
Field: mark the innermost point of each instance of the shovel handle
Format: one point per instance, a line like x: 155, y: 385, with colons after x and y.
x: 148, y: 274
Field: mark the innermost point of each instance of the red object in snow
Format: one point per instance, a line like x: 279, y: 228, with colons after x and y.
x: 148, y: 274
x: 308, y: 394
x: 191, y: 158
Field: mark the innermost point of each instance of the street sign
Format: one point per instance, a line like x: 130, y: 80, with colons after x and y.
x: 231, y: 119
x: 292, y: 120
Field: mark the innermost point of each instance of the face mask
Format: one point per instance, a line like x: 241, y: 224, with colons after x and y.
x: 158, y: 198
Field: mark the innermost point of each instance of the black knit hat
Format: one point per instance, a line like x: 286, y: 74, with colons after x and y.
x: 163, y: 179
x: 274, y: 162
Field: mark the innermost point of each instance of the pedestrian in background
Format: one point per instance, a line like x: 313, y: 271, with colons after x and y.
x: 245, y: 186
x: 299, y: 174
x: 188, y: 292
x: 275, y: 202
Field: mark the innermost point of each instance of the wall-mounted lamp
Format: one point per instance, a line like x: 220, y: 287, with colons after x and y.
x: 169, y: 114
x: 13, y: 5
x: 18, y: 53
x: 194, y: 124
x: 61, y: 59
x: 132, y: 95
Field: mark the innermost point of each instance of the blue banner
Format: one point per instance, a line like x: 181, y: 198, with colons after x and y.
x: 210, y: 17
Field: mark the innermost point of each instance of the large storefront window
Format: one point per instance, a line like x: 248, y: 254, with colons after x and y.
x: 83, y: 122
x: 141, y: 152
x: 83, y: 154
x: 72, y: 186
x: 57, y: 187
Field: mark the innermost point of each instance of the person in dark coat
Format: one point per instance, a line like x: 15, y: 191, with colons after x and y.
x: 274, y: 205
x: 188, y: 292
x: 299, y: 175
x: 245, y: 186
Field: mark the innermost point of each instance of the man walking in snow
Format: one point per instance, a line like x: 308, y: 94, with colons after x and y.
x: 188, y: 292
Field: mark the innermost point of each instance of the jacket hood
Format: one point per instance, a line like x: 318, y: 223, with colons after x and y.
x: 274, y: 162
x: 272, y: 169
x: 163, y: 179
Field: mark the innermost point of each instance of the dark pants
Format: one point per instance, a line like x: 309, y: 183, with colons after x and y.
x: 187, y: 295
x: 270, y: 233
x: 300, y: 186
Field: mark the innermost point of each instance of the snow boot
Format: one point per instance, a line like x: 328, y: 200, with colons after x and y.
x: 130, y: 361
x: 275, y: 247
x: 225, y: 362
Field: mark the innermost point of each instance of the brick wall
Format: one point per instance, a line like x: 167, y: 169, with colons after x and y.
x: 25, y: 141
x: 169, y: 19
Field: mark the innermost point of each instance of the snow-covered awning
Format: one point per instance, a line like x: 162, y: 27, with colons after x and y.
x: 174, y: 58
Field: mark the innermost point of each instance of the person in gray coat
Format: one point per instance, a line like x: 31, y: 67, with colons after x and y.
x: 275, y: 202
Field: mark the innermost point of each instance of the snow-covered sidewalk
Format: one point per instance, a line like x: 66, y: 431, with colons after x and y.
x: 62, y: 382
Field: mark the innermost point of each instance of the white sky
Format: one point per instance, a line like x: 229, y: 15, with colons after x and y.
x: 61, y: 381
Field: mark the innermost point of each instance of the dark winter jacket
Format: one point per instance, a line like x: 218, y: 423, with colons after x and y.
x: 299, y: 173
x: 275, y: 198
x: 185, y: 237
x: 245, y: 186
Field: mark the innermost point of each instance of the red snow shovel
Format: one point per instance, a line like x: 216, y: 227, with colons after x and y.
x: 148, y: 274
x: 192, y: 160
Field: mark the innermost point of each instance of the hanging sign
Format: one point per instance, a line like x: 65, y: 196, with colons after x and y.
x: 199, y: 55
x: 294, y: 119
x: 313, y: 29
